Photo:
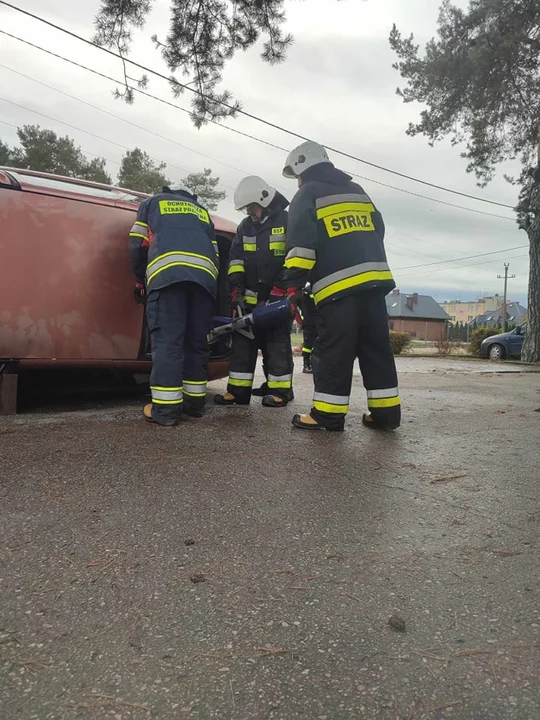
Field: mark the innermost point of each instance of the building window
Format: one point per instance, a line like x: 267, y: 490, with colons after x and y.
x: 470, y: 318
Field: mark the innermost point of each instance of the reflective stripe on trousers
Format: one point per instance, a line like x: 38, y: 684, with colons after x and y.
x: 386, y: 397
x: 331, y: 403
x: 241, y: 379
x: 166, y: 395
x: 195, y: 388
x: 280, y: 381
x: 350, y: 277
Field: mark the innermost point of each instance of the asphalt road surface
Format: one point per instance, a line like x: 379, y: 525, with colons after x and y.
x: 236, y: 568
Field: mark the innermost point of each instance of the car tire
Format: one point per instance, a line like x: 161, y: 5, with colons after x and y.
x: 496, y: 352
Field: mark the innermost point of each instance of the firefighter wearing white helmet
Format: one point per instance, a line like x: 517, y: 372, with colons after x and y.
x: 255, y: 277
x: 335, y: 239
x: 253, y: 190
x: 305, y: 156
x: 175, y: 260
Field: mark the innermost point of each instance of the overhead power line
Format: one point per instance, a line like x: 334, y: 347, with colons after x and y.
x: 138, y: 90
x: 87, y: 132
x: 129, y: 122
x: 257, y: 118
x: 467, y: 257
x: 244, y: 134
x: 86, y: 152
x: 99, y: 137
x: 462, y: 267
x: 4, y: 122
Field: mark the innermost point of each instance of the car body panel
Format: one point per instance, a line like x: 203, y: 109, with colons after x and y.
x: 66, y: 281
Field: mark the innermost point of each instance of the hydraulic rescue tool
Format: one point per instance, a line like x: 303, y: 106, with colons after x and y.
x: 262, y: 316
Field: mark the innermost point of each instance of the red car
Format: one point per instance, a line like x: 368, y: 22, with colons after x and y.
x: 65, y: 278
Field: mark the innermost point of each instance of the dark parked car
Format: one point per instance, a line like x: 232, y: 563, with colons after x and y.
x: 505, y: 345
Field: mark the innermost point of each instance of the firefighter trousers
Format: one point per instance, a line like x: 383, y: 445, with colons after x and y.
x: 179, y: 319
x: 350, y: 327
x: 309, y: 324
x: 275, y: 344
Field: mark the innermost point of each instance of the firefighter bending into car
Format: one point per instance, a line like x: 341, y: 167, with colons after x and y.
x: 309, y: 327
x: 174, y: 257
x: 336, y: 235
x: 255, y: 278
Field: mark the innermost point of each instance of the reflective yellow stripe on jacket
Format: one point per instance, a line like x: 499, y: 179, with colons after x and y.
x: 300, y: 257
x: 278, y: 246
x: 171, y: 259
x: 236, y: 266
x: 141, y: 230
x: 250, y: 297
x: 249, y: 244
x: 350, y: 277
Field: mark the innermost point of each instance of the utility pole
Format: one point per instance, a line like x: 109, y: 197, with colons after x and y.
x: 506, y: 277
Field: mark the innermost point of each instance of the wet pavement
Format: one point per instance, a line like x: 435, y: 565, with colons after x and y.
x: 236, y: 568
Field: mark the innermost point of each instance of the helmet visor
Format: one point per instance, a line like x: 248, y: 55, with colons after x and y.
x: 289, y: 173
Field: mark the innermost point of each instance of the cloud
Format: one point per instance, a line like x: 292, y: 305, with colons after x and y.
x: 336, y: 86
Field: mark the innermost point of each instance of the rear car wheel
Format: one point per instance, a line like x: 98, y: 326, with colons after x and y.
x: 496, y: 352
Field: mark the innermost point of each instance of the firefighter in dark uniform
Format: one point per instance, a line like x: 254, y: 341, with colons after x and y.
x: 336, y: 235
x: 309, y: 327
x: 174, y: 256
x: 256, y: 277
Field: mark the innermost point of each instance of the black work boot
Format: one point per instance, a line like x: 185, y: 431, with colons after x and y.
x: 306, y: 422
x: 390, y: 424
x: 274, y: 401
x: 260, y: 391
x: 307, y: 364
x: 165, y: 422
x: 192, y: 410
x: 229, y: 399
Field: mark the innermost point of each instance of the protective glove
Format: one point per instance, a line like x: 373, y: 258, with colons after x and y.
x: 139, y: 293
x: 277, y: 292
x: 238, y: 305
x: 294, y: 295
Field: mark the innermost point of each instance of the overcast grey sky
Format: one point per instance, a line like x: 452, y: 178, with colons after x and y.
x: 337, y: 86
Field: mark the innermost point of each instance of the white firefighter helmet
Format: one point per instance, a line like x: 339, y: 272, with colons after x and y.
x: 303, y: 157
x: 253, y: 189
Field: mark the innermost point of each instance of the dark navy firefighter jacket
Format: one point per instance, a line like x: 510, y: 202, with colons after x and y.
x: 258, y: 252
x: 173, y: 240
